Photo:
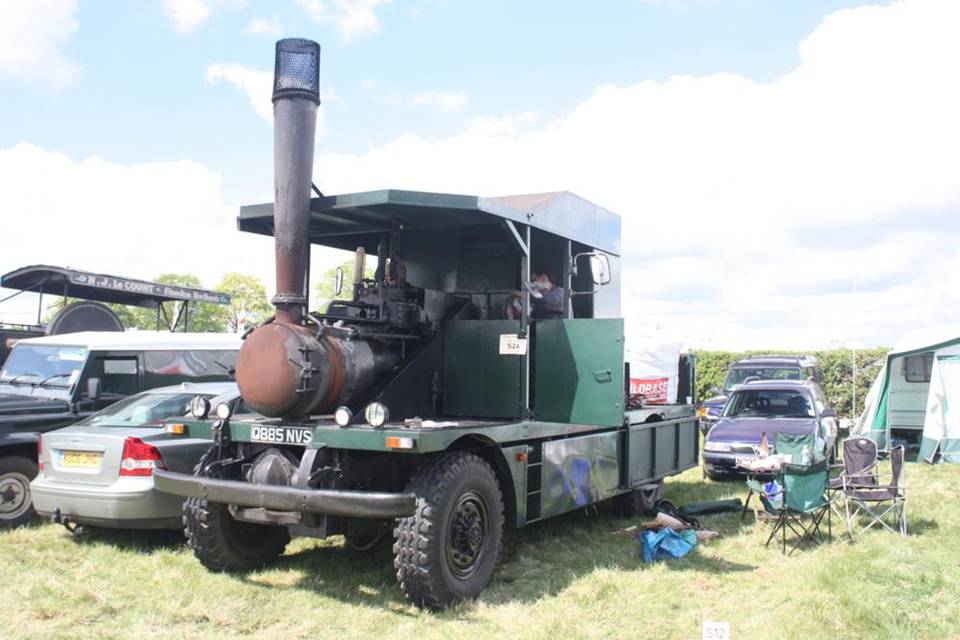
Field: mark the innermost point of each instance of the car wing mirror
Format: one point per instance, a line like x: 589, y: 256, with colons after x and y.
x: 93, y: 389
x: 828, y: 413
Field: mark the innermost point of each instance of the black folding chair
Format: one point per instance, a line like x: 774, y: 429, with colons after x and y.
x: 866, y: 498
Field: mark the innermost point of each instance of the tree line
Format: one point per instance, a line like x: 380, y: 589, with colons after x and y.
x: 249, y: 304
x: 836, y: 365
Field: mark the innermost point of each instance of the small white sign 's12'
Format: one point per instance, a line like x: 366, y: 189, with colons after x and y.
x: 716, y: 630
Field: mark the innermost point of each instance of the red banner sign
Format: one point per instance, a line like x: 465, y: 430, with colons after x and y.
x: 654, y: 390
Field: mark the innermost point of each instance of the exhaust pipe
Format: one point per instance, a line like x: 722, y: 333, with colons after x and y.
x: 286, y: 369
x: 296, y: 95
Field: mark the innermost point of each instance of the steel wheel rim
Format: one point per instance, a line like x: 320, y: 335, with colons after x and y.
x: 467, y: 534
x: 14, y: 495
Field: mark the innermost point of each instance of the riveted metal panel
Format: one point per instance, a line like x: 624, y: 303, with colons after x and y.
x: 578, y: 371
x: 479, y: 381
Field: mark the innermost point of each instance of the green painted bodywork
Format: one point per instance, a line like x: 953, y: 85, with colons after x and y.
x: 553, y: 467
x: 477, y: 380
x: 579, y: 371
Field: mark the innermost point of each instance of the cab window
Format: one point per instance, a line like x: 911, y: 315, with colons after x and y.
x: 118, y: 376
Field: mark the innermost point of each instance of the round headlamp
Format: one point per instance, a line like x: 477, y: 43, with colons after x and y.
x: 224, y: 411
x: 376, y: 414
x: 199, y: 407
x: 342, y: 416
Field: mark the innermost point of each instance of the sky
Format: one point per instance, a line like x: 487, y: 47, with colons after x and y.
x: 787, y: 171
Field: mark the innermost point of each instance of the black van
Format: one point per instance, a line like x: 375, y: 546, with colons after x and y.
x: 53, y: 381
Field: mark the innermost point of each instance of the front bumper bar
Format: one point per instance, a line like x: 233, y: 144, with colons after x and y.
x: 331, y: 502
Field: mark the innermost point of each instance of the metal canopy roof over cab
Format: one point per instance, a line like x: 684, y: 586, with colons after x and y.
x: 61, y: 281
x: 349, y: 220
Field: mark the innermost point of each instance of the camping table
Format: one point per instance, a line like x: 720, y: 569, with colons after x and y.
x: 755, y: 468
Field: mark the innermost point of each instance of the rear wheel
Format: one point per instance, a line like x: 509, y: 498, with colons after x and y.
x: 222, y: 543
x: 447, y: 551
x: 642, y: 501
x: 16, y: 507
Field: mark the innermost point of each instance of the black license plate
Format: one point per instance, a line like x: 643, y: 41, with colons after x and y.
x: 274, y: 434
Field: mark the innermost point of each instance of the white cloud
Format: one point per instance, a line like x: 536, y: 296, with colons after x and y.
x: 353, y: 19
x: 136, y: 220
x: 258, y: 87
x: 442, y: 100
x: 262, y: 27
x: 32, y: 36
x: 739, y: 191
x: 187, y: 15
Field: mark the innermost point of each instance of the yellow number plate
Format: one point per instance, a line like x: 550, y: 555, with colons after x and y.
x: 81, y: 458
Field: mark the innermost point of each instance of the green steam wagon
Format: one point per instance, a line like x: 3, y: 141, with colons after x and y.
x: 438, y: 404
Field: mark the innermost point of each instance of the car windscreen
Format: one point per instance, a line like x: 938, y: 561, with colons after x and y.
x: 144, y: 410
x: 46, y: 365
x: 769, y: 403
x: 740, y: 375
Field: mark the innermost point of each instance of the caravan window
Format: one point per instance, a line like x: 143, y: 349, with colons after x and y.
x: 918, y: 368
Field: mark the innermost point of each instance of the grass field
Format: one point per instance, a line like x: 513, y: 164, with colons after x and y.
x: 572, y: 577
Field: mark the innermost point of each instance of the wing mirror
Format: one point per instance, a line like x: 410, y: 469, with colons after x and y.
x: 338, y: 282
x: 600, y: 271
x: 828, y: 413
x: 93, y: 389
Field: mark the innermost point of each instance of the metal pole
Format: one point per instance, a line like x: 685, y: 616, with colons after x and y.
x: 525, y: 324
x: 568, y: 281
x: 853, y: 356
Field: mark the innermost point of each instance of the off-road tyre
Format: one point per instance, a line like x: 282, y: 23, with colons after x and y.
x: 459, y: 506
x: 222, y: 543
x: 16, y: 506
x: 640, y: 502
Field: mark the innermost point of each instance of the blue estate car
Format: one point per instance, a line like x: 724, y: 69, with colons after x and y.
x: 767, y: 407
x: 756, y: 368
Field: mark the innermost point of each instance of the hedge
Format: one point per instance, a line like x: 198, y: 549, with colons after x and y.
x: 836, y: 365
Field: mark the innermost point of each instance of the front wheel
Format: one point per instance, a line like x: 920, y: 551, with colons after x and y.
x: 222, y: 543
x: 447, y: 551
x: 16, y: 507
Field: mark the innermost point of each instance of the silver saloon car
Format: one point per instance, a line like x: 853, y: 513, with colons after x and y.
x: 99, y: 471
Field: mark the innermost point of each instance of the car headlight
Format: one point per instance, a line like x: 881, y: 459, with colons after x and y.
x: 376, y: 414
x: 342, y: 416
x: 716, y: 446
x: 224, y: 411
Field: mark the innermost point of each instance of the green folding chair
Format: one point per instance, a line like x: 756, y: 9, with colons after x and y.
x: 801, y: 505
x: 793, y: 445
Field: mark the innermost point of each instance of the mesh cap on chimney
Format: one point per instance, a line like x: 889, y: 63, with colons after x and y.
x: 297, y: 70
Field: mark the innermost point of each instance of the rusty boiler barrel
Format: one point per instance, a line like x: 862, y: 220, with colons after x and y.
x: 287, y: 371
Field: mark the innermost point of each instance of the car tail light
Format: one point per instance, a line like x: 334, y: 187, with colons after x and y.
x: 40, y: 453
x: 139, y: 458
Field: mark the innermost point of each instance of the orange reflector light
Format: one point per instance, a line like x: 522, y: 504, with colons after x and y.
x: 175, y: 428
x: 522, y: 456
x: 396, y: 442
